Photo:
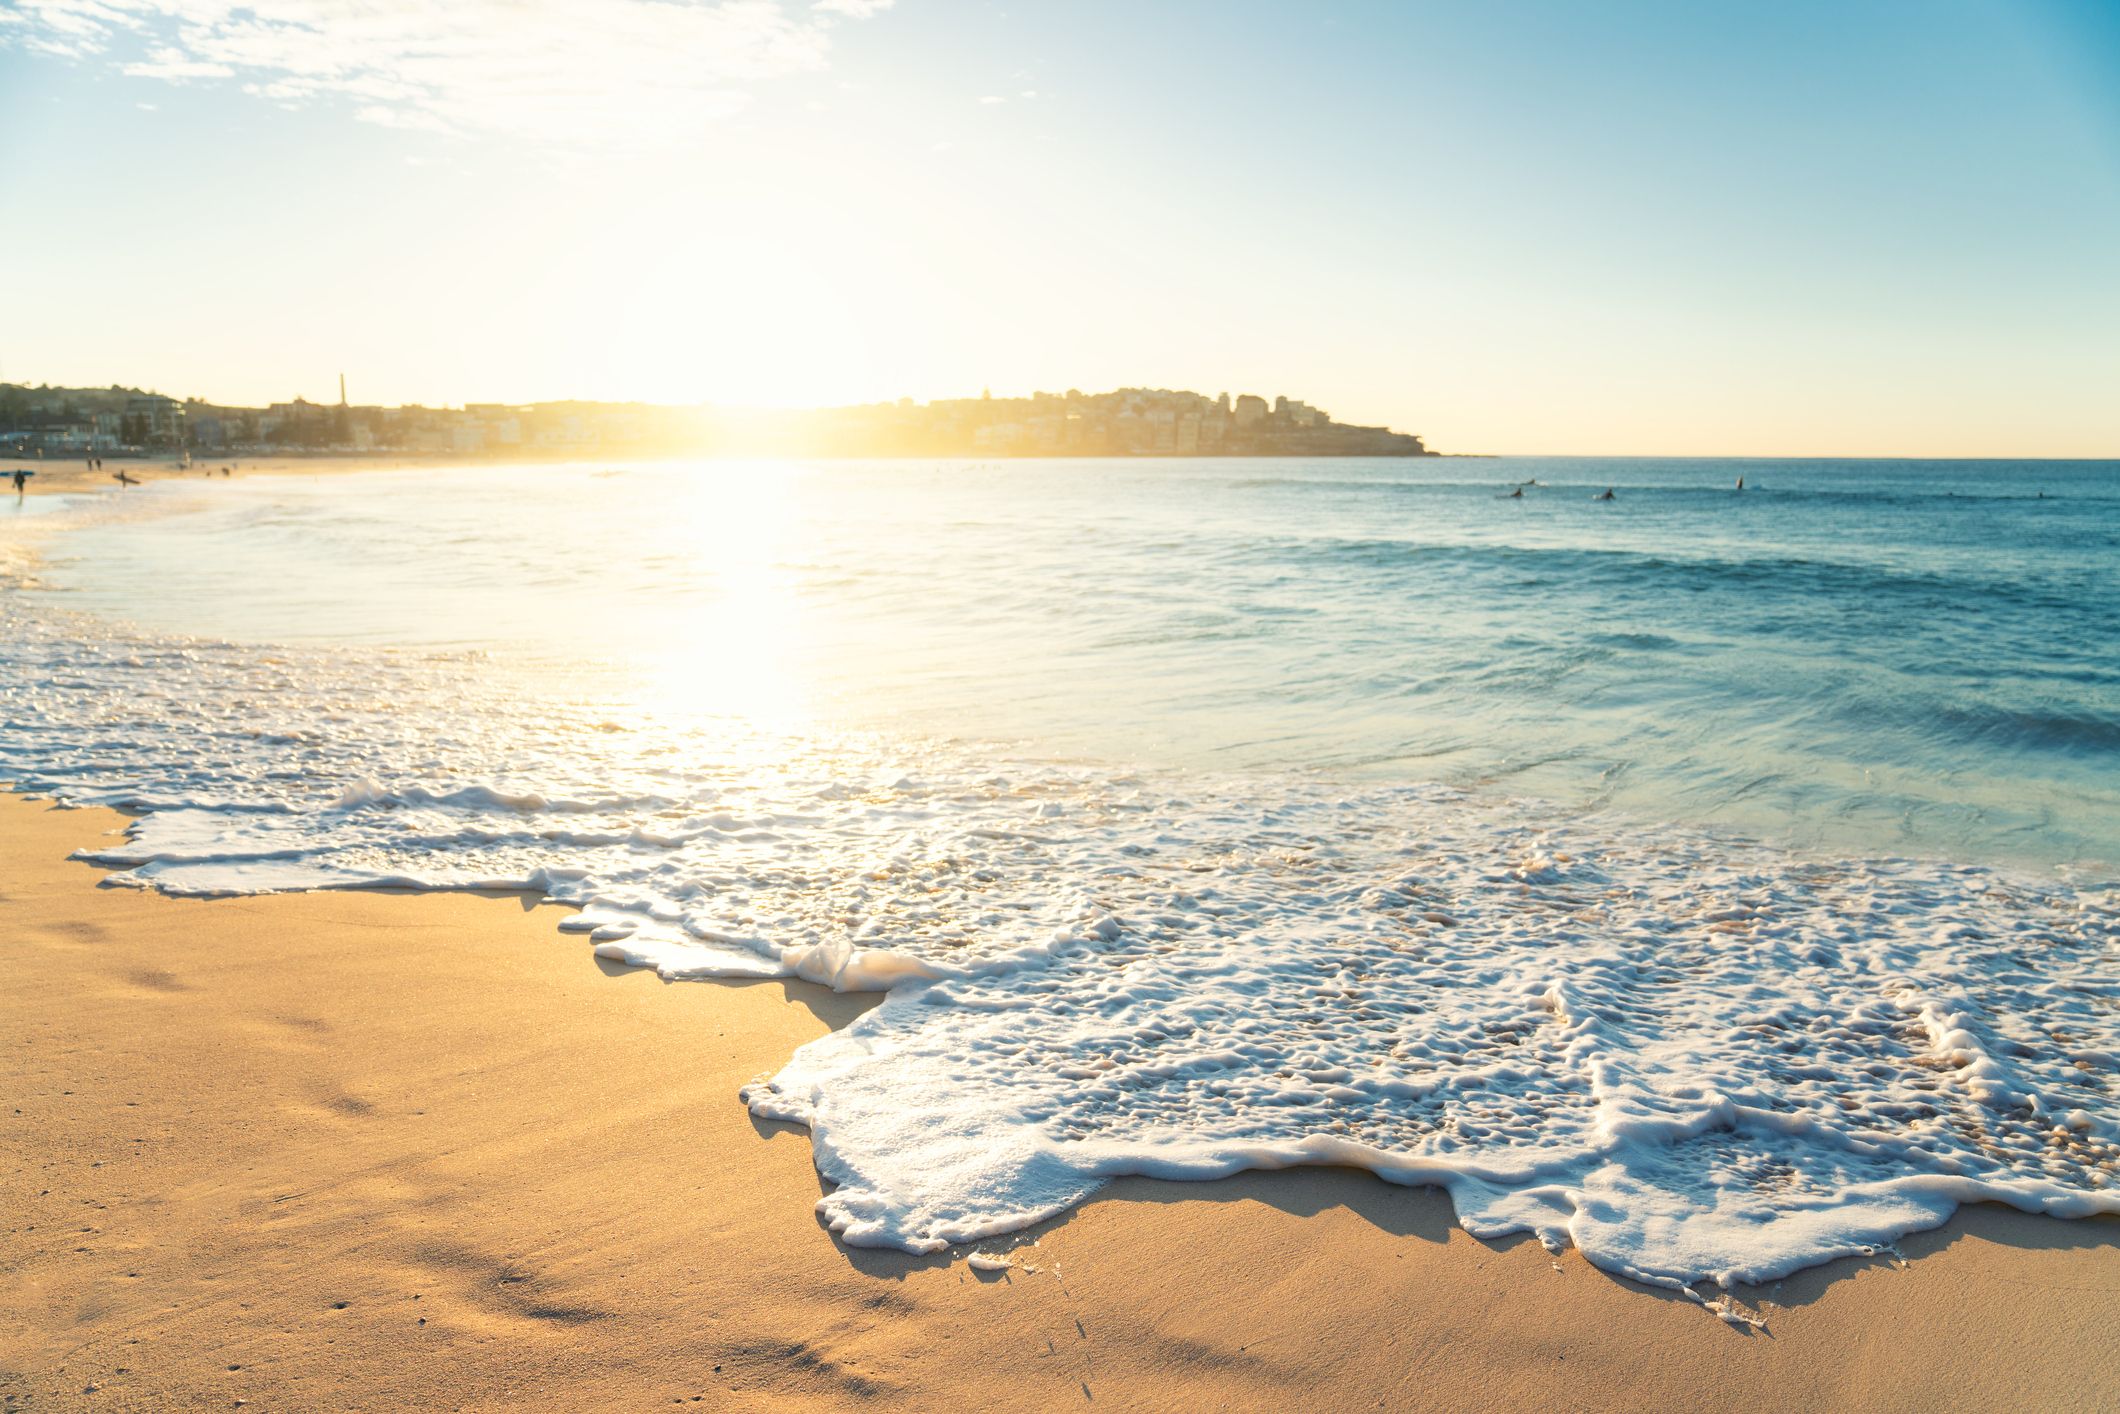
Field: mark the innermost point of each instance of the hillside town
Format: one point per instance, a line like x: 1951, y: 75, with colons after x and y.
x: 81, y: 422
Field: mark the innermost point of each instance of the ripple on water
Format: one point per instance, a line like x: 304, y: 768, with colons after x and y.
x: 1692, y: 1057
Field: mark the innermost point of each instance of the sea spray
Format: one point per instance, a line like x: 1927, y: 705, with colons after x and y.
x: 1692, y: 1057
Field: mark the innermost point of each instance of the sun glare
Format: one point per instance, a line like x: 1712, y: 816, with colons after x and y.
x: 739, y: 645
x: 1484, y: 624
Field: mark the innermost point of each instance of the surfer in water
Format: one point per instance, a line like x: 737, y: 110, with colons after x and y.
x: 1516, y: 495
x: 1608, y: 496
x: 1740, y: 483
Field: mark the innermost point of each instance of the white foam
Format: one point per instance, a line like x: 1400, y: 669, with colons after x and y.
x: 1692, y: 1058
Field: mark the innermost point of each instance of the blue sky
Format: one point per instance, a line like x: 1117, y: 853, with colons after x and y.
x: 1865, y: 228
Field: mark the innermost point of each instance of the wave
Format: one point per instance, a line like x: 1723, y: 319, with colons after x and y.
x: 1693, y: 1056
x: 1696, y: 1059
x: 2005, y: 728
x: 368, y: 792
x: 1576, y: 485
x: 1806, y: 581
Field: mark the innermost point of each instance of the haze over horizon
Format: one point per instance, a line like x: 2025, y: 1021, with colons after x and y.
x: 1886, y: 228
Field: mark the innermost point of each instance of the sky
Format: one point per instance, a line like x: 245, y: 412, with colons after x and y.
x: 1813, y: 227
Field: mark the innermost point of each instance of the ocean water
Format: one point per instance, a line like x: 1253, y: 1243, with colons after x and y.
x: 1720, y: 881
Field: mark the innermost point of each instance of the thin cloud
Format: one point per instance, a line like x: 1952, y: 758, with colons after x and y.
x: 168, y: 62
x: 575, y: 72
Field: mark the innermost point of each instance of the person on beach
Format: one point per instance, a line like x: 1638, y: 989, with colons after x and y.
x: 21, y: 480
x: 122, y: 479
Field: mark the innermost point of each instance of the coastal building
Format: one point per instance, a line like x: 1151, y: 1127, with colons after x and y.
x: 502, y: 424
x: 152, y: 421
x: 1123, y: 422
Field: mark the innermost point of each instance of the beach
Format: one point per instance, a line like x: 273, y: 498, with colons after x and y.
x: 839, y: 703
x: 369, y: 1150
x: 73, y: 476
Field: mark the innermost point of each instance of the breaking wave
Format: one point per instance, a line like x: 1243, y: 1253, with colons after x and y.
x: 1693, y: 1057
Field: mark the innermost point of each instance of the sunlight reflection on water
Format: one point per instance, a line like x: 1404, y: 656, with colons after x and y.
x: 1902, y: 655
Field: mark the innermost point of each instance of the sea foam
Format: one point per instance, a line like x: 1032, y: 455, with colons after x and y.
x: 1692, y: 1057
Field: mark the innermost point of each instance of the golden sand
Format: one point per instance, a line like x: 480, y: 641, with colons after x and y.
x: 73, y: 476
x: 363, y: 1150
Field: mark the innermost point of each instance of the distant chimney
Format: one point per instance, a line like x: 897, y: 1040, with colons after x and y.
x: 342, y: 390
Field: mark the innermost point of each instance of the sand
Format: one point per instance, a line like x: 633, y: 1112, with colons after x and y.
x: 379, y: 1151
x: 71, y: 475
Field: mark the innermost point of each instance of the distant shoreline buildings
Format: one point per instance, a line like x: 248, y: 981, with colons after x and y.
x: 1134, y: 422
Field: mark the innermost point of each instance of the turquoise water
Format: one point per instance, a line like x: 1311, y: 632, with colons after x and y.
x: 1719, y: 881
x: 1879, y: 656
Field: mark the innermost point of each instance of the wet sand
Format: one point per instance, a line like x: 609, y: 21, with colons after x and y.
x: 72, y: 476
x: 365, y: 1150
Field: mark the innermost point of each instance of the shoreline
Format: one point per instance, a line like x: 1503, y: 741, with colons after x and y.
x: 376, y: 1148
x: 68, y: 476
x: 74, y: 479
